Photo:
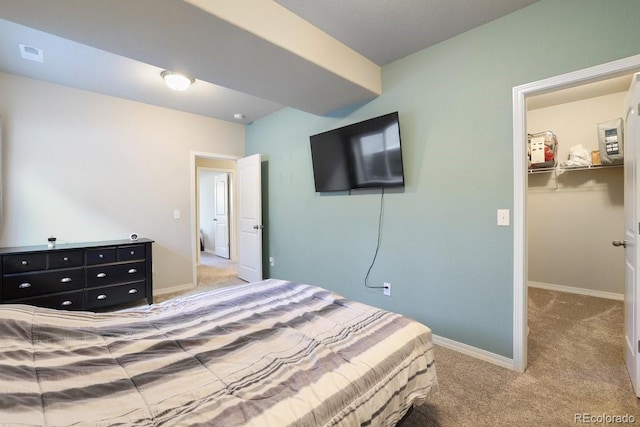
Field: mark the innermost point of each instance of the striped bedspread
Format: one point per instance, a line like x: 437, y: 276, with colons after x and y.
x: 271, y: 353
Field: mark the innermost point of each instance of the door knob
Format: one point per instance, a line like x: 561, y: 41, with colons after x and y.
x: 619, y: 243
x: 258, y: 227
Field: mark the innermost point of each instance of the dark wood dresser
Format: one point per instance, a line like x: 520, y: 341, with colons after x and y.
x: 77, y: 276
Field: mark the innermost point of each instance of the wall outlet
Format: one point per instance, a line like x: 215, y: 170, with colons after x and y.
x: 272, y: 261
x: 387, y: 289
x: 176, y: 214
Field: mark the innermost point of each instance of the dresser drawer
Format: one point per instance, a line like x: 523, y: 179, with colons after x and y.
x: 16, y: 286
x: 19, y: 263
x: 101, y: 256
x: 64, y: 301
x: 110, y: 295
x: 131, y: 253
x: 65, y: 259
x: 102, y: 275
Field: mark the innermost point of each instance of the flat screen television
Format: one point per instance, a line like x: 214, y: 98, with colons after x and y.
x: 367, y: 154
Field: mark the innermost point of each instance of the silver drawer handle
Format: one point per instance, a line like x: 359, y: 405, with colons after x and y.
x: 65, y: 259
x: 132, y: 271
x: 101, y: 296
x: 24, y: 285
x: 100, y: 256
x: 67, y: 302
x: 101, y: 275
x: 133, y: 252
x: 65, y: 280
x: 133, y: 291
x: 24, y: 262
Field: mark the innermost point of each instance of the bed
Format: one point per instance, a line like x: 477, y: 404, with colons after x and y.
x: 271, y: 353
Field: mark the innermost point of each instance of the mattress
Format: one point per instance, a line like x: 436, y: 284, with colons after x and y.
x: 271, y: 353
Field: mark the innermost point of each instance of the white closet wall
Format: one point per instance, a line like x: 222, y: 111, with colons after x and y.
x: 572, y: 217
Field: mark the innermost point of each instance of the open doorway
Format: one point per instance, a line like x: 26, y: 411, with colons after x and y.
x: 520, y: 95
x: 213, y: 220
x: 575, y: 209
x: 245, y: 225
x: 216, y: 266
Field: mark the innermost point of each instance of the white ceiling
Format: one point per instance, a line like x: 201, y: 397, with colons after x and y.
x: 248, y: 56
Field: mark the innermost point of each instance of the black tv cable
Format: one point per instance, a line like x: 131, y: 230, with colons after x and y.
x: 375, y: 255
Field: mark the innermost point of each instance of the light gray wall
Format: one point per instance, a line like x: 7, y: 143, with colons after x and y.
x: 85, y: 166
x: 573, y: 217
x: 451, y: 267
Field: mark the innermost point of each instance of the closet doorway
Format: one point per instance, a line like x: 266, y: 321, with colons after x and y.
x: 576, y: 209
x: 576, y: 277
x: 520, y: 96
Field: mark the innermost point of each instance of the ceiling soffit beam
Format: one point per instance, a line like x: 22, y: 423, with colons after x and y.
x: 176, y: 35
x: 281, y: 27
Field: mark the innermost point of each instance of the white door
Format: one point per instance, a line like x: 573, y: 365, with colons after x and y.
x: 221, y: 215
x: 631, y: 304
x: 207, y: 209
x: 250, y: 219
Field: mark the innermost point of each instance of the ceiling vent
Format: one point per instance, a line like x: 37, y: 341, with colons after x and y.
x: 31, y: 53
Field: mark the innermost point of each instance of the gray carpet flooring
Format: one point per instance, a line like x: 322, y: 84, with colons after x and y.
x: 575, y: 369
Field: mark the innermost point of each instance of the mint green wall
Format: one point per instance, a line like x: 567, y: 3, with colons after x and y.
x: 450, y: 266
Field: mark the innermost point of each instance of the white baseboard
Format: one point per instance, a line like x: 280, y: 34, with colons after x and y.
x: 580, y: 291
x: 172, y: 289
x: 478, y: 353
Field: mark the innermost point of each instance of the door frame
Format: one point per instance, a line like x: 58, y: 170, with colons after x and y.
x: 193, y: 174
x: 520, y: 93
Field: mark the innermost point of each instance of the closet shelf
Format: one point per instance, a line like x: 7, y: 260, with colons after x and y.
x: 560, y: 169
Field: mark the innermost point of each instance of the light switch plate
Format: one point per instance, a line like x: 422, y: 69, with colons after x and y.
x: 503, y: 217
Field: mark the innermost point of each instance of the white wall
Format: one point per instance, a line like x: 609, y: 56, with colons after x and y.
x: 572, y: 218
x: 86, y: 166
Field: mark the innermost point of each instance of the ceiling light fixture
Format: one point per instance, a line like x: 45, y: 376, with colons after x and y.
x: 176, y: 81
